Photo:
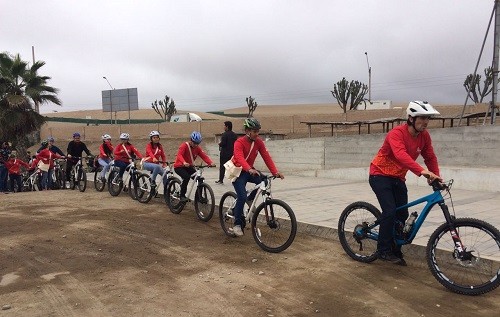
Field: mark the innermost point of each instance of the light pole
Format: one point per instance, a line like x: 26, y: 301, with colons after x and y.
x: 369, y: 79
x: 110, y: 99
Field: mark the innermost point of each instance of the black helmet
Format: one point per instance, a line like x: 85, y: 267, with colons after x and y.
x: 251, y: 123
x: 44, y: 143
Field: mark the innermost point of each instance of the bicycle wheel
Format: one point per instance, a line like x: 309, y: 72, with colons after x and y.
x: 204, y: 202
x: 274, y: 226
x: 144, y: 192
x: 115, y: 183
x: 356, y: 238
x: 226, y: 205
x: 72, y: 179
x: 475, y: 272
x: 98, y: 183
x: 81, y: 179
x: 131, y: 186
x: 172, y: 196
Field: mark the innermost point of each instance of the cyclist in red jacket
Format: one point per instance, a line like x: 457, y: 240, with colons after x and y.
x: 184, y: 161
x: 246, y: 149
x: 105, y: 155
x: 125, y: 153
x: 46, y: 157
x: 14, y: 167
x: 388, y: 169
x: 154, y: 155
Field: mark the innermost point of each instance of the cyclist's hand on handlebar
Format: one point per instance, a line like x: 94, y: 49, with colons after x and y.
x: 186, y: 164
x: 279, y: 175
x: 253, y: 171
x: 430, y: 176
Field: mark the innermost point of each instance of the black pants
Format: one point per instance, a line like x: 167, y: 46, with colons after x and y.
x: 391, y: 192
x: 222, y: 170
x: 185, y: 173
x: 16, y: 178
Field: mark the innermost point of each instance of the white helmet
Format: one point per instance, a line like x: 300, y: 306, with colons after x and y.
x: 124, y: 136
x: 421, y: 108
x: 154, y: 133
x: 106, y: 137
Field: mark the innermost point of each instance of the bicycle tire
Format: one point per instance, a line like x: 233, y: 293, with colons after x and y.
x: 172, y: 196
x: 98, y: 184
x: 355, y: 216
x: 115, y: 185
x: 226, y: 216
x: 274, y: 230
x: 144, y: 191
x: 475, y: 276
x: 72, y: 180
x: 131, y: 187
x: 204, y: 202
x: 81, y: 179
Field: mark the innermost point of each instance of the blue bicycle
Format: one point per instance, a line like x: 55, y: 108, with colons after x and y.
x: 463, y: 254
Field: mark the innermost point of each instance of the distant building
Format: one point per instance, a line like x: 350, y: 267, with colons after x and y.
x: 376, y: 104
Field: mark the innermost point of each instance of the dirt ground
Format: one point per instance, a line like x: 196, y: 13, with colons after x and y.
x: 66, y: 253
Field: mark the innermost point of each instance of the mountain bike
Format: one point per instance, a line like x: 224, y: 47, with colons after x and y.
x: 98, y: 183
x: 145, y: 192
x: 273, y: 221
x: 116, y: 183
x: 204, y: 199
x: 33, y: 181
x: 78, y: 176
x: 58, y: 176
x: 463, y: 254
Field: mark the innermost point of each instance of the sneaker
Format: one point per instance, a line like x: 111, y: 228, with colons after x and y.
x: 67, y: 185
x: 389, y: 257
x: 219, y: 182
x: 237, y: 231
x: 184, y: 199
x: 102, y: 179
x: 399, y: 255
x: 152, y: 183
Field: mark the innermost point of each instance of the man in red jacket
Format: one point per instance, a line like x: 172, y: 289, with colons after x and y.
x: 245, y: 153
x: 388, y: 169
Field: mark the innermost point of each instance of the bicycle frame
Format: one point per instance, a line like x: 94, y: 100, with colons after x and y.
x: 197, y: 179
x: 262, y: 190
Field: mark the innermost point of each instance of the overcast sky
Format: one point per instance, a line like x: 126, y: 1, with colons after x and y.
x: 210, y: 55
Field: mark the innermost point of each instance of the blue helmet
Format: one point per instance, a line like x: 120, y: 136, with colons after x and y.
x: 76, y: 135
x: 196, y: 137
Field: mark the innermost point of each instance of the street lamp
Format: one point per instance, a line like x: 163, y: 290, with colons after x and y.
x: 110, y: 100
x: 369, y: 79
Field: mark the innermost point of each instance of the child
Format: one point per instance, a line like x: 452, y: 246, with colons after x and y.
x: 45, y: 162
x: 14, y: 167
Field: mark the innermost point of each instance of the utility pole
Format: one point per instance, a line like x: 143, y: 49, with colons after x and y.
x: 37, y: 106
x: 369, y: 79
x: 496, y: 46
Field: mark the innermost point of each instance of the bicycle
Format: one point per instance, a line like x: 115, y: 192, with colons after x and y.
x: 78, y: 176
x: 144, y: 191
x: 463, y: 254
x: 204, y: 199
x: 116, y: 183
x: 58, y: 177
x: 98, y: 183
x: 33, y: 181
x: 273, y: 221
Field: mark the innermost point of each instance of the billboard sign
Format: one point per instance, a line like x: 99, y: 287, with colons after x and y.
x: 120, y: 100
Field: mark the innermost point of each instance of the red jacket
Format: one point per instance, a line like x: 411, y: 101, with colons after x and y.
x: 14, y: 166
x: 184, y: 156
x: 399, y: 152
x: 47, y: 157
x: 242, y: 148
x: 156, y: 152
x: 121, y: 154
x: 102, y: 153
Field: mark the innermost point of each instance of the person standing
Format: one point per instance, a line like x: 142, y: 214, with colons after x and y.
x: 226, y: 147
x: 246, y: 149
x: 4, y: 157
x: 388, y: 169
x: 14, y: 166
x: 74, y: 150
x: 46, y: 158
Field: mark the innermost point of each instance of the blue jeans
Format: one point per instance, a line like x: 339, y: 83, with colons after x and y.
x: 154, y: 168
x: 391, y: 192
x: 122, y: 165
x: 105, y: 166
x: 240, y: 187
x: 47, y: 179
x: 3, y: 178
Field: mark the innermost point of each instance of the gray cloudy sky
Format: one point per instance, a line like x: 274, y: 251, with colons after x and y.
x: 210, y: 55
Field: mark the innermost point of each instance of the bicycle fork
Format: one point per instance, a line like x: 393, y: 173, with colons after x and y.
x: 460, y: 251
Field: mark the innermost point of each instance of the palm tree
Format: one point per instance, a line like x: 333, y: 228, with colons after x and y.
x: 21, y: 91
